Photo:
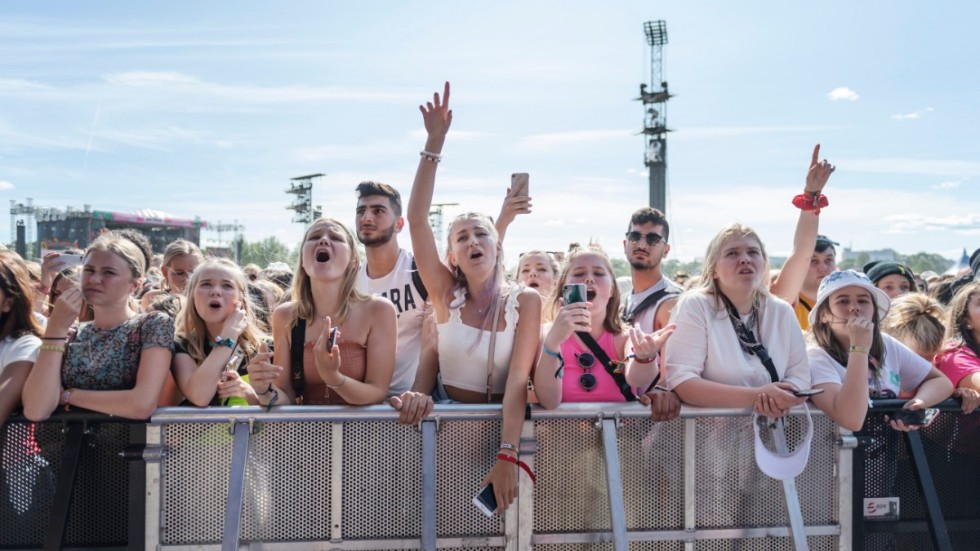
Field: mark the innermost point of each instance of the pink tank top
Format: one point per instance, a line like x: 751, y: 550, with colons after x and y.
x: 605, y: 389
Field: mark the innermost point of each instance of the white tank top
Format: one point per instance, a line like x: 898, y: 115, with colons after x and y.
x: 464, y: 365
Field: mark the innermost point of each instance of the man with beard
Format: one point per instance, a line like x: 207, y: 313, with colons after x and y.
x: 390, y: 271
x: 653, y: 296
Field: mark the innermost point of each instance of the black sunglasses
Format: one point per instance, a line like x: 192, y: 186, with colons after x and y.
x: 651, y: 238
x: 586, y: 380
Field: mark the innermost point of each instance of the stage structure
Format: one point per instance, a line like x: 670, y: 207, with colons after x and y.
x: 654, y: 97
x: 302, y: 188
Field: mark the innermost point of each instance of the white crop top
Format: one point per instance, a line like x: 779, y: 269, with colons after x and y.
x: 464, y: 365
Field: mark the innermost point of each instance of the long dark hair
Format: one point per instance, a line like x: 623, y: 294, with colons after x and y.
x: 821, y: 334
x: 956, y: 326
x: 16, y: 285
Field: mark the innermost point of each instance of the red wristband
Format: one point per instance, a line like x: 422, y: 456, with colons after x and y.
x: 810, y: 201
x: 519, y: 463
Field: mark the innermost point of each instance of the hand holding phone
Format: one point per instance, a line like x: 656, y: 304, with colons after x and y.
x: 915, y: 417
x: 519, y: 184
x: 807, y: 392
x: 70, y: 260
x: 332, y: 340
x: 574, y: 292
x: 485, y: 501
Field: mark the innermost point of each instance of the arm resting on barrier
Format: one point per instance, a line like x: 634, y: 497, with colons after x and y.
x: 138, y: 402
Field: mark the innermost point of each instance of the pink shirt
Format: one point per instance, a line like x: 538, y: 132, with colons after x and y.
x: 605, y: 389
x: 958, y: 363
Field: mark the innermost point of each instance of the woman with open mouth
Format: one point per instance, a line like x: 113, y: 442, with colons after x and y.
x: 334, y: 344
x: 571, y: 368
x: 485, y: 355
x: 217, y: 338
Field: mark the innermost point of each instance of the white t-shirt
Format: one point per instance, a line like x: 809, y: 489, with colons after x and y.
x: 398, y: 287
x: 705, y: 345
x: 20, y: 349
x: 903, y: 369
x: 645, y: 321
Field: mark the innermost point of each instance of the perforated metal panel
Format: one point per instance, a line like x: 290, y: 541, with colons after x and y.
x: 382, y: 481
x: 465, y: 451
x: 815, y: 543
x: 652, y: 471
x: 32, y: 459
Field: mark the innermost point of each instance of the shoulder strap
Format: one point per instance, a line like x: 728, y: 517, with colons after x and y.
x: 493, y: 342
x: 417, y: 281
x: 297, y: 340
x: 614, y: 372
x: 748, y: 340
x: 630, y: 317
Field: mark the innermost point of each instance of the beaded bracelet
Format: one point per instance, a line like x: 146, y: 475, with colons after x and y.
x: 430, y: 156
x: 53, y: 348
x: 860, y: 349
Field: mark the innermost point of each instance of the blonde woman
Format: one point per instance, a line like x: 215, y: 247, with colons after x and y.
x: 179, y: 260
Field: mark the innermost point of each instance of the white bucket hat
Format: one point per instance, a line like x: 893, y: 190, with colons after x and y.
x: 847, y: 278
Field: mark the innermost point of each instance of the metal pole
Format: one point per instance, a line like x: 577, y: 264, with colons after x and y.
x: 236, y: 488
x: 617, y: 509
x: 796, y: 527
x: 429, y: 485
x: 58, y: 521
x: 923, y: 478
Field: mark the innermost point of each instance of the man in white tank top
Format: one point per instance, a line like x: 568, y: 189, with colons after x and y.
x: 389, y: 271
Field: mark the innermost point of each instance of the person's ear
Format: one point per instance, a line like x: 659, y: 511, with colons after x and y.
x: 666, y: 250
x: 399, y: 224
x: 8, y: 305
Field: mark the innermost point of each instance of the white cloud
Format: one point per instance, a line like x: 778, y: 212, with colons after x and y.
x: 6, y: 186
x: 14, y: 85
x: 968, y: 224
x: 560, y: 139
x: 934, y: 167
x: 949, y: 184
x: 180, y: 83
x: 842, y: 93
x: 913, y: 115
x: 709, y: 132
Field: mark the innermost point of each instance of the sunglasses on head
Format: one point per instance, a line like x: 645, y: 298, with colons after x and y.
x: 651, y: 238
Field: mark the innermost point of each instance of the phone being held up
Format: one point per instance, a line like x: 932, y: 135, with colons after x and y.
x: 519, y: 184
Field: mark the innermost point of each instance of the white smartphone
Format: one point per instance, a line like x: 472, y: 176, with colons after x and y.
x: 485, y: 501
x: 520, y: 183
x: 70, y: 260
x: 807, y: 392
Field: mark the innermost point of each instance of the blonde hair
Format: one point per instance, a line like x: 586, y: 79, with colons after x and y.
x: 190, y: 326
x: 302, y: 288
x: 496, y: 281
x: 612, y: 321
x: 916, y: 318
x: 122, y: 247
x: 174, y: 250
x: 709, y: 280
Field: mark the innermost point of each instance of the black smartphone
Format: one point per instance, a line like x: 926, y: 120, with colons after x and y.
x: 914, y: 418
x: 333, y: 338
x: 807, y: 392
x: 485, y: 501
x: 573, y: 292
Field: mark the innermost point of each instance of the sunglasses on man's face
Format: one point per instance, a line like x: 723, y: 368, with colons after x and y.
x: 651, y: 238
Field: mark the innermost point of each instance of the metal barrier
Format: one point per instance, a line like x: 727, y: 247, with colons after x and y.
x: 608, y: 478
x: 932, y: 482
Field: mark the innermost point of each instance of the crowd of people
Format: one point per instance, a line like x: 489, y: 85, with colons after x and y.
x: 413, y: 329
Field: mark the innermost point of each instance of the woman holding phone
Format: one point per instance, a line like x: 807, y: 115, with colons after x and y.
x: 488, y: 331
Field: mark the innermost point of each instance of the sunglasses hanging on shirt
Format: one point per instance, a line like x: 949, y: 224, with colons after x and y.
x: 586, y: 380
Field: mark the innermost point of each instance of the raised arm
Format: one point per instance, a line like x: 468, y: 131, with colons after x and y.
x: 42, y: 389
x: 435, y: 275
x: 790, y: 280
x: 513, y: 205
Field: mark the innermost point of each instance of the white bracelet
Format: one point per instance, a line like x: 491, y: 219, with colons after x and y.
x: 430, y: 156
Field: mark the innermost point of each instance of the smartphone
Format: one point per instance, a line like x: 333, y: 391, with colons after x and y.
x: 573, y: 292
x: 915, y: 418
x: 70, y: 260
x: 332, y: 340
x: 808, y: 392
x: 519, y: 183
x: 485, y: 501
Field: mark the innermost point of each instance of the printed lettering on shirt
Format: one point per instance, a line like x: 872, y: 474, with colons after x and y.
x: 403, y: 299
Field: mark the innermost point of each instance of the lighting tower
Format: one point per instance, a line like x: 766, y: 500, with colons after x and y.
x: 435, y: 222
x: 18, y: 213
x: 220, y: 228
x: 302, y: 187
x: 654, y: 97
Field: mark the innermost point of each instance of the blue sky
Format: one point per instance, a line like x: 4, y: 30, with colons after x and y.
x: 208, y: 108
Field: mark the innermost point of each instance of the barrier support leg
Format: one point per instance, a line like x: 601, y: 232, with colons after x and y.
x: 236, y: 487
x: 58, y: 521
x: 617, y: 509
x: 923, y: 478
x: 796, y: 527
x: 429, y: 485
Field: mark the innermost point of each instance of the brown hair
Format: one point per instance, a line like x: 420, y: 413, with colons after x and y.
x: 367, y: 189
x: 174, y: 250
x: 612, y: 321
x: 917, y: 318
x: 16, y: 285
x: 302, y: 291
x: 956, y: 324
x: 821, y: 335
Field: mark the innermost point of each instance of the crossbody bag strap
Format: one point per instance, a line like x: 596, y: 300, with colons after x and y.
x: 297, y: 340
x: 417, y: 282
x: 614, y: 372
x: 493, y: 342
x: 630, y: 317
x: 745, y: 335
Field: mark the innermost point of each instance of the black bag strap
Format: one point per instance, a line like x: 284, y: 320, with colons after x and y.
x: 749, y: 343
x: 417, y: 281
x: 297, y: 340
x: 615, y: 372
x: 630, y: 317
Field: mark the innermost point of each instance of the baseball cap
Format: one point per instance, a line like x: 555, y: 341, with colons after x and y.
x: 783, y: 465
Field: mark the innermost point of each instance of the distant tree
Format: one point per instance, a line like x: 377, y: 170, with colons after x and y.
x: 264, y: 252
x: 920, y: 262
x: 620, y: 267
x: 855, y: 263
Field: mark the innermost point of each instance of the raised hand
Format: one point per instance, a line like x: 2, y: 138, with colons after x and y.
x: 235, y: 323
x: 327, y: 359
x: 819, y: 173
x: 261, y: 372
x: 570, y: 318
x: 65, y: 311
x: 437, y: 115
x: 860, y: 330
x: 513, y: 205
x: 646, y: 346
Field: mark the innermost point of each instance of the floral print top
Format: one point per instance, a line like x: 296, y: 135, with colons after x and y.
x: 108, y: 359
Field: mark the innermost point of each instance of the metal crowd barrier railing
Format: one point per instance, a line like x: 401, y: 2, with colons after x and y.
x: 352, y: 478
